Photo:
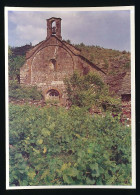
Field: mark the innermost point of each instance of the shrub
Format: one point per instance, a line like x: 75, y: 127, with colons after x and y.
x: 127, y: 65
x: 68, y: 41
x: 106, y: 65
x: 20, y: 92
x: 57, y: 147
x: 89, y: 91
x: 14, y: 65
x: 91, y: 57
x: 52, y: 102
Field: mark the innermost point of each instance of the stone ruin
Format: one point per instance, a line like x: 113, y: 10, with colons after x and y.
x: 51, y: 61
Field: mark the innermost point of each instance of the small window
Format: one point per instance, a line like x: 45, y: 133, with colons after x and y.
x: 53, y: 64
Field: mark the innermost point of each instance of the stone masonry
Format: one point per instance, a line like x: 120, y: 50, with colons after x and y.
x: 51, y: 61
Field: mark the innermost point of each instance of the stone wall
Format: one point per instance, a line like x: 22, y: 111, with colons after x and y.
x: 126, y: 108
x: 29, y: 102
x: 49, y: 63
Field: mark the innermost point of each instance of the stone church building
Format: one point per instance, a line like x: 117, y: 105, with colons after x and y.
x: 51, y: 61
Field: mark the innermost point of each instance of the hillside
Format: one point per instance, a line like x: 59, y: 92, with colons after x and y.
x: 51, y: 145
x: 114, y: 63
x: 21, y: 50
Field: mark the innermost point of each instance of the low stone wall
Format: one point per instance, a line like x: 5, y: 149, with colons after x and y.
x: 126, y: 108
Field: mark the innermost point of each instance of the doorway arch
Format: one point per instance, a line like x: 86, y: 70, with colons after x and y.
x: 53, y: 94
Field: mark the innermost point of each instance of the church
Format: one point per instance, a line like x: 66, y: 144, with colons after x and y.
x: 51, y: 61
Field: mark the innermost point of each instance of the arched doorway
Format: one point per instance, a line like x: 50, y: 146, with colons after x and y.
x: 53, y: 94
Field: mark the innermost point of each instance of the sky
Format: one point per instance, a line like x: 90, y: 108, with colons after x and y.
x: 108, y: 29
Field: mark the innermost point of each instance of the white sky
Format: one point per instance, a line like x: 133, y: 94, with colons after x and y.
x: 108, y: 29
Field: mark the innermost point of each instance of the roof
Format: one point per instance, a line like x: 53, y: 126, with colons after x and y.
x: 126, y: 84
x: 36, y: 47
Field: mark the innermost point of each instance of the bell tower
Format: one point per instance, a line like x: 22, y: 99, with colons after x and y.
x: 54, y: 27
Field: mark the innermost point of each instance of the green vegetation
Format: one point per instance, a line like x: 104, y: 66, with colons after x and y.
x: 106, y: 65
x: 19, y: 92
x: 52, y: 102
x: 98, y: 52
x: 68, y: 41
x: 55, y: 146
x: 127, y: 65
x: 14, y: 65
x: 105, y: 58
x: 52, y: 146
x: 90, y: 91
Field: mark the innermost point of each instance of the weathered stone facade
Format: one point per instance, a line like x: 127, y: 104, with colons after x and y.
x: 51, y: 61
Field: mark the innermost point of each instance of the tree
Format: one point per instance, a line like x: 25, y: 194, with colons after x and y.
x: 68, y: 41
x: 90, y: 91
x: 14, y: 64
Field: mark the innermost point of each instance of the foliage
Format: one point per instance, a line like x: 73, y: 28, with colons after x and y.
x: 99, y: 52
x: 127, y: 65
x: 91, y: 57
x: 20, y: 92
x: 88, y: 91
x: 52, y: 146
x: 52, y: 102
x: 14, y: 64
x: 106, y: 65
x: 105, y: 58
x: 68, y: 41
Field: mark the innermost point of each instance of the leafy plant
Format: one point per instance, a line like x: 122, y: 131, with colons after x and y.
x: 127, y: 65
x: 88, y: 91
x: 52, y: 102
x: 20, y: 92
x: 68, y: 41
x: 91, y: 57
x: 54, y: 146
x: 14, y: 64
x: 106, y: 65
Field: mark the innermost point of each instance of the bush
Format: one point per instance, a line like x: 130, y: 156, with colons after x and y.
x: 52, y: 102
x: 127, y: 65
x: 106, y: 65
x: 19, y: 92
x: 14, y: 65
x: 58, y: 147
x: 89, y: 91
